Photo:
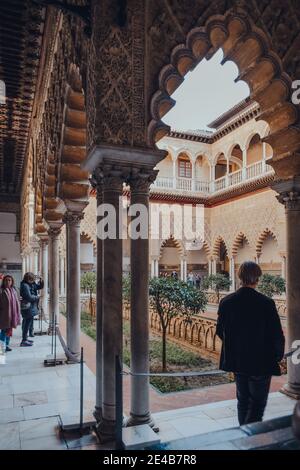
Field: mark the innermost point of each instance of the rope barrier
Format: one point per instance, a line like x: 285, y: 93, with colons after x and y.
x: 175, y: 374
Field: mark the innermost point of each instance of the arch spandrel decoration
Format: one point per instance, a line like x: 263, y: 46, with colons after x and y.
x: 260, y: 67
x: 262, y: 237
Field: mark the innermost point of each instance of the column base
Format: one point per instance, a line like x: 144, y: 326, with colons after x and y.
x: 296, y: 421
x: 97, y: 413
x: 290, y: 391
x: 106, y: 430
x: 136, y: 420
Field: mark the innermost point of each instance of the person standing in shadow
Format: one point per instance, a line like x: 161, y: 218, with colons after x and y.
x: 252, y: 343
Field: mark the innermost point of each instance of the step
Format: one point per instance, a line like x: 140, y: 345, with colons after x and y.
x: 139, y: 437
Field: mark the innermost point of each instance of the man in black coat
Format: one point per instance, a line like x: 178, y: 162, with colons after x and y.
x: 252, y: 343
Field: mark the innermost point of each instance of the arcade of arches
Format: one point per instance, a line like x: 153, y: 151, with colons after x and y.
x: 84, y: 115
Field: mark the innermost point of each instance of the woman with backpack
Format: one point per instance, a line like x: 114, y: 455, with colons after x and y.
x: 29, y: 305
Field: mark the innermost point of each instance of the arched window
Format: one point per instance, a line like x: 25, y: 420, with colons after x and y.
x: 184, y: 167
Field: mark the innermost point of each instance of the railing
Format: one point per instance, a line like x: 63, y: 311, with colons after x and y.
x: 235, y: 178
x: 202, y: 186
x: 209, y: 187
x: 254, y: 170
x: 220, y: 183
x: 184, y: 184
x: 163, y: 182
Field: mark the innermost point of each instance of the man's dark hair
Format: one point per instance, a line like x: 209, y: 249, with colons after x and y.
x: 249, y: 273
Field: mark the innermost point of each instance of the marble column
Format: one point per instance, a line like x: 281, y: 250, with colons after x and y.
x: 289, y: 195
x: 183, y: 269
x: 174, y: 172
x: 232, y: 274
x: 53, y: 233
x: 112, y: 298
x: 152, y: 268
x: 244, y: 167
x: 139, y: 319
x: 23, y: 265
x: 35, y: 261
x: 212, y: 178
x: 97, y: 183
x: 72, y: 221
x: 156, y: 271
x: 62, y: 275
x: 193, y: 175
x: 283, y: 266
x: 214, y: 266
x: 44, y: 272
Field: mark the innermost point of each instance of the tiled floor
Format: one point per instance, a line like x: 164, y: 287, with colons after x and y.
x: 186, y: 422
x: 34, y: 399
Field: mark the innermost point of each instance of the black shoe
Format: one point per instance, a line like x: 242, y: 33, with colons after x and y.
x: 31, y: 335
x: 8, y: 349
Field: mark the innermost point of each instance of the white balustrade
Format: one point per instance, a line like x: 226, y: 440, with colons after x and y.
x: 184, y: 184
x: 202, y: 186
x: 235, y: 177
x: 209, y: 187
x: 163, y: 182
x: 254, y: 170
x: 220, y: 183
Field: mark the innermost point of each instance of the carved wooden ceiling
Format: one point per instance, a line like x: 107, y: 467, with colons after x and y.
x: 21, y: 29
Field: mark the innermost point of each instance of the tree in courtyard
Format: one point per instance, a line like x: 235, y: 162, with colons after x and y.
x: 88, y: 283
x: 126, y: 288
x: 171, y: 298
x: 216, y: 282
x: 271, y: 285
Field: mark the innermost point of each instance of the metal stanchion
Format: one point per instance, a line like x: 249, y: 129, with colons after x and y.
x: 81, y: 391
x: 119, y: 403
x: 53, y: 360
x: 81, y: 427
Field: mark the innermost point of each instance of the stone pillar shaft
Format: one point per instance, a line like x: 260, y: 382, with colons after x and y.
x: 44, y: 269
x: 139, y: 320
x: 72, y: 220
x: 54, y: 275
x: 232, y: 274
x: 111, y: 274
x: 289, y: 195
x: 99, y: 313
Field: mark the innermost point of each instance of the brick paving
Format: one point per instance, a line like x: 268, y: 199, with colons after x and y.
x: 169, y: 401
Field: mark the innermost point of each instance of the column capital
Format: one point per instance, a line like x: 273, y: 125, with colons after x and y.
x: 141, y: 179
x: 73, y: 218
x: 109, y: 177
x: 54, y: 232
x: 288, y: 193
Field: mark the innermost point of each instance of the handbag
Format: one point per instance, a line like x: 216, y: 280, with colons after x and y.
x: 25, y: 305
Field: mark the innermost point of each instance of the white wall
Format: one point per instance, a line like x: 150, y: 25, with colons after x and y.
x: 244, y: 254
x: 86, y: 253
x: 9, y: 249
x: 196, y: 257
x: 170, y: 256
x: 269, y: 251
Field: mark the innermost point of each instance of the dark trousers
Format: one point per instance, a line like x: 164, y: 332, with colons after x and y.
x: 31, y: 331
x: 252, y: 395
x: 26, y: 322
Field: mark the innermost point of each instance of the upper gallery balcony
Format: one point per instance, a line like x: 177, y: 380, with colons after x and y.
x: 210, y: 167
